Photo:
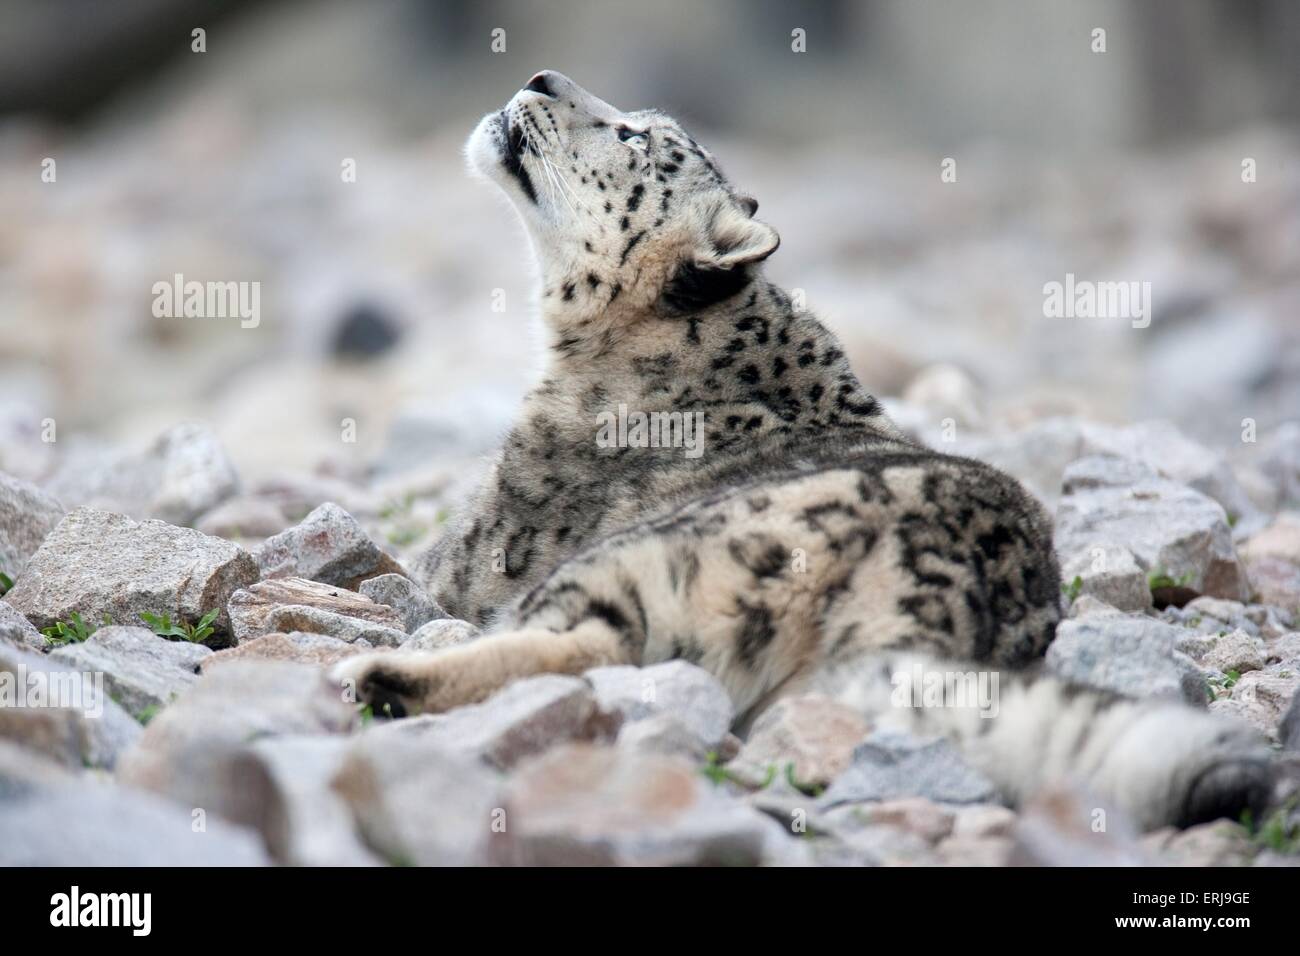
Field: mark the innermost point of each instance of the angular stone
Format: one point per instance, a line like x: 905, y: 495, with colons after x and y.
x: 298, y: 646
x: 584, y: 805
x: 888, y: 765
x: 444, y: 632
x: 142, y: 671
x: 853, y: 841
x: 65, y: 715
x: 27, y: 515
x: 183, y: 474
x: 1169, y: 528
x: 19, y: 631
x: 1131, y: 655
x: 1272, y: 559
x: 24, y: 772
x: 244, y: 517
x: 417, y: 803
x: 1261, y: 697
x: 97, y: 563
x: 1218, y: 843
x: 293, y: 604
x: 411, y: 602
x: 1162, y: 447
x: 283, y: 787
x: 1288, y: 730
x: 930, y: 821
x: 1227, y: 651
x: 984, y: 820
x: 688, y: 692
x: 1059, y: 827
x: 817, y: 735
x: 974, y: 851
x: 665, y: 734
x: 103, y: 825
x: 185, y: 749
x: 327, y: 546
x: 1111, y: 575
x: 523, y: 719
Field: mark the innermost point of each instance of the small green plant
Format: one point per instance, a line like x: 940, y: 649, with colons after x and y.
x: 715, y: 771
x: 6, y: 584
x: 1276, y: 832
x: 148, y: 714
x: 1224, y: 684
x: 1162, y: 579
x: 194, y: 633
x: 72, y: 631
x: 1073, y: 589
x: 810, y: 789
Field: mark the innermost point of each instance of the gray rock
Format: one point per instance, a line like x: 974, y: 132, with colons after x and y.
x: 97, y: 563
x: 27, y: 515
x: 1226, y: 651
x: 142, y: 671
x: 1160, y: 446
x: 411, y: 602
x: 1288, y: 731
x: 186, y: 750
x: 519, y: 721
x: 283, y: 787
x: 16, y: 629
x: 1278, y: 458
x: 444, y: 632
x: 417, y: 803
x: 293, y: 604
x: 65, y: 715
x: 1272, y: 559
x: 888, y: 765
x: 665, y: 734
x: 816, y: 735
x: 1260, y: 697
x: 24, y: 772
x: 1060, y: 827
x: 297, y: 646
x: 584, y: 805
x: 1218, y: 843
x: 185, y: 473
x: 1111, y: 575
x: 327, y: 546
x: 688, y: 692
x: 1169, y: 528
x: 244, y: 517
x: 104, y: 825
x: 1131, y: 655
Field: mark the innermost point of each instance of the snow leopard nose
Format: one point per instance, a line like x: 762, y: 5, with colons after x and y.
x: 560, y: 87
x: 541, y: 83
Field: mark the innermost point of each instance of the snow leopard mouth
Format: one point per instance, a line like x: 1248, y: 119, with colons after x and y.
x: 512, y: 155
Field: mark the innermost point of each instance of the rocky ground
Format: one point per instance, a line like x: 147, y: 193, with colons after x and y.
x: 327, y: 446
x: 212, y: 612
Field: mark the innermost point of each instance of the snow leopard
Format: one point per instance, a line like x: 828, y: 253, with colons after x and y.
x: 699, y: 475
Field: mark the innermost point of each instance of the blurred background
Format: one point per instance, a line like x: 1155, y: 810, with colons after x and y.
x: 377, y: 295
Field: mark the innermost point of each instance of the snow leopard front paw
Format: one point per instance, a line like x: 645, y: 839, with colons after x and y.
x: 392, y: 684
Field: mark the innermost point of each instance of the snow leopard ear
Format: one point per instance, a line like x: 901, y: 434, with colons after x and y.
x: 734, y: 239
x: 749, y: 204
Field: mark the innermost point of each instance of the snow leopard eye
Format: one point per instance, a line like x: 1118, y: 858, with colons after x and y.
x: 633, y: 138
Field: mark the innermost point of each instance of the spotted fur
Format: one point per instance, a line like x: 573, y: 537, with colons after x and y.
x: 810, y: 544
